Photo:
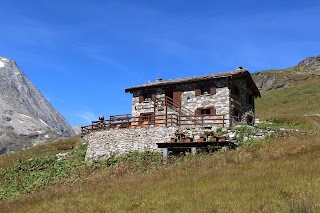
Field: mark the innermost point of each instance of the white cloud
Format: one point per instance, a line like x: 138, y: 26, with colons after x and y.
x: 86, y: 117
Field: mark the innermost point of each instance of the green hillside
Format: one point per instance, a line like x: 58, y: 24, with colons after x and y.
x: 273, y: 175
x: 298, y: 100
x: 276, y: 174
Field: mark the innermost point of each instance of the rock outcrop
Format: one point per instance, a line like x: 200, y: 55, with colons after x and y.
x: 311, y: 62
x: 26, y: 117
x: 274, y: 79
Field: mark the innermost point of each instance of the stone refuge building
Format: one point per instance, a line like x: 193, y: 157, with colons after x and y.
x: 185, y: 107
x: 215, y: 100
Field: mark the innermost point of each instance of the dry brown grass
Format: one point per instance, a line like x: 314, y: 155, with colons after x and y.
x: 281, y: 175
x: 297, y: 100
x: 42, y: 150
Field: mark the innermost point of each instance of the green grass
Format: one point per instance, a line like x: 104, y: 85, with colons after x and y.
x: 43, y: 150
x: 280, y: 174
x: 36, y: 169
x: 21, y: 174
x: 273, y: 175
x: 291, y: 104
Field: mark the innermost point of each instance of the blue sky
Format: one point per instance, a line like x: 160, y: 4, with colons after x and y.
x: 82, y: 54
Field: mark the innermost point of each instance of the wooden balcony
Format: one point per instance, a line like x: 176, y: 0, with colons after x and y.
x: 172, y: 119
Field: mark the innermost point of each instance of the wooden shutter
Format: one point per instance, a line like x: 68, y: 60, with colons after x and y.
x: 141, y: 99
x: 213, y: 111
x: 213, y: 90
x: 154, y: 96
x: 198, y: 112
x: 198, y: 92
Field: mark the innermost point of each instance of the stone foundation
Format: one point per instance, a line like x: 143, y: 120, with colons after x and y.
x: 104, y: 144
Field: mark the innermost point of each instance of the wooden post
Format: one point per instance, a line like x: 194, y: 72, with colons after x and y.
x: 154, y: 107
x: 179, y: 121
x: 166, y: 105
x: 223, y: 121
x: 202, y: 120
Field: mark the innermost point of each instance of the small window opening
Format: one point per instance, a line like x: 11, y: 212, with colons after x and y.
x: 205, y: 90
x: 205, y: 111
x: 145, y: 97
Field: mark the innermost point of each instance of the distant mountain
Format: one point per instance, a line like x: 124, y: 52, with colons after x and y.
x: 274, y: 79
x: 26, y: 117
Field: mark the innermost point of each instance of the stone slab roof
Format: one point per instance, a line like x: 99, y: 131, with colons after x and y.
x: 162, y: 83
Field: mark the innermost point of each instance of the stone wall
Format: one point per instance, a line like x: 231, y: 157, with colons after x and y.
x: 220, y: 101
x: 115, y: 142
x: 240, y: 102
x: 224, y: 101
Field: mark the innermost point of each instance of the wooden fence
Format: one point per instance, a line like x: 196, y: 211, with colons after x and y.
x: 128, y: 121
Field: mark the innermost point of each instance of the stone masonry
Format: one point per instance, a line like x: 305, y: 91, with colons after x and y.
x: 116, y: 142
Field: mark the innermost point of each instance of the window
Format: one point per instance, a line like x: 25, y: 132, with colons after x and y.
x: 147, y: 97
x: 206, y: 111
x: 205, y: 90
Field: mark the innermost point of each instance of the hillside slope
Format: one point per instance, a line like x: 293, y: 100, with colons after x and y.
x: 301, y: 99
x: 26, y: 117
x: 269, y: 176
x: 278, y: 174
x: 291, y: 94
x: 274, y: 79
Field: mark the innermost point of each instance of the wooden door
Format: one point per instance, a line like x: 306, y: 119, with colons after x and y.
x: 177, y: 98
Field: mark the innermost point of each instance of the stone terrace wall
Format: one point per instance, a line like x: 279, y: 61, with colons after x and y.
x: 104, y: 144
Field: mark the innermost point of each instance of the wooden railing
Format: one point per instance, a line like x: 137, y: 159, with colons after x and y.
x: 172, y: 119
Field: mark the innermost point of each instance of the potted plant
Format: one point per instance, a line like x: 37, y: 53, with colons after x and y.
x: 202, y: 138
x: 188, y: 139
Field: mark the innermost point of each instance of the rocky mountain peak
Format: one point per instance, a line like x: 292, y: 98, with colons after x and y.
x: 313, y: 62
x: 274, y: 79
x: 26, y: 117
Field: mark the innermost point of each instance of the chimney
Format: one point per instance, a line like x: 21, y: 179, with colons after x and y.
x: 239, y: 68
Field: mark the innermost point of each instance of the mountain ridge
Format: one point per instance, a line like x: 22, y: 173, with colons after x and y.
x: 273, y: 79
x: 26, y: 117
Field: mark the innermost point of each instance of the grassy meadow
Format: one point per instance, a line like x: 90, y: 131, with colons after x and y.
x: 276, y: 174
x: 287, y: 107
x: 272, y: 175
